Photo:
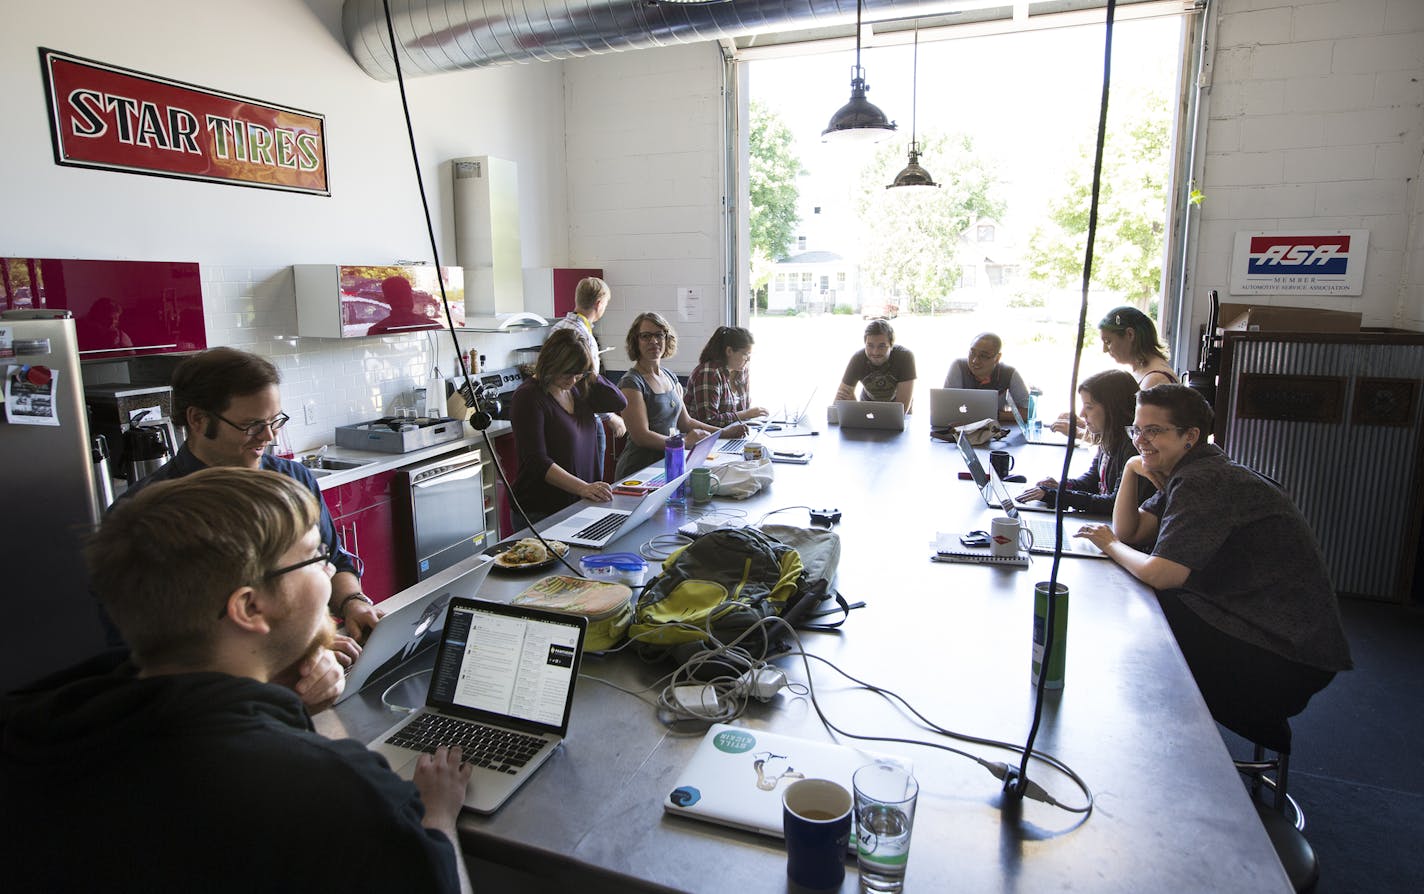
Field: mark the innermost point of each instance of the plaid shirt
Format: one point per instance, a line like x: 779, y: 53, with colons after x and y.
x: 715, y: 394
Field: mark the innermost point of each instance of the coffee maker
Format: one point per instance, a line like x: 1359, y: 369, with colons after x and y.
x: 135, y: 421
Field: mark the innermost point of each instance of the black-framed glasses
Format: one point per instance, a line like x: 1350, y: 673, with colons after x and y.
x: 328, y: 556
x: 253, y: 429
x: 1149, y: 432
x: 652, y: 336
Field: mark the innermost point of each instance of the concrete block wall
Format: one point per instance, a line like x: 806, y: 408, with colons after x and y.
x: 1315, y: 120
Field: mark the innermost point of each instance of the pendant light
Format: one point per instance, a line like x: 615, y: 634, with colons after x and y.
x: 857, y: 120
x: 913, y: 174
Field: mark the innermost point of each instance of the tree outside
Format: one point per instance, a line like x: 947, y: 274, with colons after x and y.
x: 773, y: 166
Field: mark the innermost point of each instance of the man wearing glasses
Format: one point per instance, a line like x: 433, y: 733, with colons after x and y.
x: 982, y: 369
x: 229, y: 402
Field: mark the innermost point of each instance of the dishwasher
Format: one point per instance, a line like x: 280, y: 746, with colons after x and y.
x: 439, y: 513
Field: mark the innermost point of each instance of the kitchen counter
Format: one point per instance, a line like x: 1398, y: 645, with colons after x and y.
x: 375, y: 462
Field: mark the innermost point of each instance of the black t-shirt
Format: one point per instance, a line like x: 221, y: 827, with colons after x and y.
x: 879, y: 382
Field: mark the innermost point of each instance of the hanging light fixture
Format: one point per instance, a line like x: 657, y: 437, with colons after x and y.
x: 913, y: 174
x: 858, y: 120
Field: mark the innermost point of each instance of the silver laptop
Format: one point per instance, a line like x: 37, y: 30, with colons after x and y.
x: 953, y: 407
x: 696, y: 457
x: 800, y: 416
x: 737, y: 776
x: 502, y: 689
x: 884, y: 415
x: 595, y: 526
x: 1042, y: 528
x: 413, y: 621
x: 1044, y: 435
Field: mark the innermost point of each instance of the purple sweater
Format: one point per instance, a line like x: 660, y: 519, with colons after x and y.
x: 544, y: 434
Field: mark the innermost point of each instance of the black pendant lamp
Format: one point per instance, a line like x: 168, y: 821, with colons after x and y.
x: 857, y: 120
x: 913, y: 174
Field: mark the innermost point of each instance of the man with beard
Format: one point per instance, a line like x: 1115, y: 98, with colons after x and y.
x: 189, y: 763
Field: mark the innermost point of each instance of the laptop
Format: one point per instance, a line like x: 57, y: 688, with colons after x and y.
x: 800, y: 417
x: 737, y: 776
x: 953, y: 407
x: 1043, y: 529
x: 502, y: 689
x: 639, y: 485
x: 755, y: 431
x: 595, y: 526
x: 883, y: 415
x: 413, y: 621
x: 1044, y: 435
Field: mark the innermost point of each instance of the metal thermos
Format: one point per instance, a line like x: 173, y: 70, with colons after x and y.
x: 146, y: 449
x: 103, y: 484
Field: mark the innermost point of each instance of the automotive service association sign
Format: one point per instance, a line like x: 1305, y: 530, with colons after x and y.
x: 1296, y: 263
x: 103, y: 116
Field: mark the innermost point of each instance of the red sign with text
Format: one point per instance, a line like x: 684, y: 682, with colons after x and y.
x: 102, y: 116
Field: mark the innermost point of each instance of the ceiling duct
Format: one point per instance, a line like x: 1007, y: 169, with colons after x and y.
x: 452, y: 35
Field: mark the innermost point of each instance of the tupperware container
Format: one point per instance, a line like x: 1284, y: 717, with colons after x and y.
x: 623, y: 568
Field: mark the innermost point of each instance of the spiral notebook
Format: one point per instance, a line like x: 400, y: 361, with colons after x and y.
x: 947, y: 548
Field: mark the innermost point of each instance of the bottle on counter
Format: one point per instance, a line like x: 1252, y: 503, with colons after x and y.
x: 673, y: 459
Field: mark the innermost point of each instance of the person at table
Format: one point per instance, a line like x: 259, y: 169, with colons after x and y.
x: 1108, y: 400
x: 985, y: 370
x: 719, y: 391
x: 883, y: 370
x: 655, y: 405
x: 1130, y: 338
x: 230, y: 404
x: 555, y: 421
x: 1236, y: 568
x: 591, y: 298
x: 189, y: 762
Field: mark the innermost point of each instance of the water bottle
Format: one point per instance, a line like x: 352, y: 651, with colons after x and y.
x: 672, y: 465
x: 1034, y: 425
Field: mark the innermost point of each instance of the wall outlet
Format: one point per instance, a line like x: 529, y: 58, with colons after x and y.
x: 309, y: 412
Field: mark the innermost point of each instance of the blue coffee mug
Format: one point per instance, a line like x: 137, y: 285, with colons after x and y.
x: 816, y: 818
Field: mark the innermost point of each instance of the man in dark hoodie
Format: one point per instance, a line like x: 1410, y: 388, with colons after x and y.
x: 191, y: 764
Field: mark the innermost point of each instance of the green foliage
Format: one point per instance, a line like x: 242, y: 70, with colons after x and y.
x: 1132, y: 212
x: 910, y: 238
x: 843, y: 309
x: 772, y: 179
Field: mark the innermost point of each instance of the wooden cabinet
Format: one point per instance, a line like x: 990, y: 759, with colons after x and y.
x: 363, y: 515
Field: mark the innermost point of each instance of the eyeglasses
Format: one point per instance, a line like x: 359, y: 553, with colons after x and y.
x: 981, y: 355
x: 328, y: 556
x: 253, y: 429
x: 1149, y: 432
x: 652, y: 336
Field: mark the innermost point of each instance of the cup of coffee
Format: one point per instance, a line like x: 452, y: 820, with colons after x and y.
x: 1002, y: 461
x: 816, y: 818
x: 1007, y: 537
x: 704, y: 485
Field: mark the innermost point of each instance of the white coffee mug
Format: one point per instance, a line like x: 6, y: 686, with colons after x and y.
x: 1007, y: 537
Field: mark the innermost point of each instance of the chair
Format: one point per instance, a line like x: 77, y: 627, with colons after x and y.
x: 1282, y: 817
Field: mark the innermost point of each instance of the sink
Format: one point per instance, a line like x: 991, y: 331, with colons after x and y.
x: 327, y: 464
x: 320, y: 473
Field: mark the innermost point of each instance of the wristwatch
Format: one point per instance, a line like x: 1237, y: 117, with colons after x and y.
x: 341, y: 609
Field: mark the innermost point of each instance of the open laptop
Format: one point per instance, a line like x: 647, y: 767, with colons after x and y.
x: 1042, y: 528
x: 595, y: 526
x: 502, y: 689
x: 696, y: 457
x: 800, y: 417
x: 754, y: 432
x: 737, y: 776
x: 953, y: 407
x: 413, y: 621
x: 1043, y: 435
x: 883, y: 415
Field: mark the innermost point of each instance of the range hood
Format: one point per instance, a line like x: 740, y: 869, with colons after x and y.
x: 486, y: 198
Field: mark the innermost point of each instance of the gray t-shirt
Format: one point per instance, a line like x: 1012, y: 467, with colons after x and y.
x: 1257, y: 573
x: 663, y: 412
x: 574, y: 322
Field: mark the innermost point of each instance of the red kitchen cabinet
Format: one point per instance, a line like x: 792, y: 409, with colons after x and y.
x: 364, y: 518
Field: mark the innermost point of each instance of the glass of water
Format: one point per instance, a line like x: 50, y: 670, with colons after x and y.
x: 885, y: 794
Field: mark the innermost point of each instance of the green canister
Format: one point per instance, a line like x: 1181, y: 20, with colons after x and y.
x: 1060, y: 632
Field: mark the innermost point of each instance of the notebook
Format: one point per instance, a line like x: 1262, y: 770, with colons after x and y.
x: 885, y: 415
x: 1043, y: 434
x: 502, y: 688
x: 637, y: 486
x: 947, y: 548
x: 413, y: 621
x: 953, y: 407
x: 737, y: 776
x: 595, y: 526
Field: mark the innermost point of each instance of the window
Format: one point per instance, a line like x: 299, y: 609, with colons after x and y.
x: 986, y: 233
x: 825, y: 283
x: 781, y: 282
x: 800, y: 243
x: 840, y: 281
x: 806, y: 281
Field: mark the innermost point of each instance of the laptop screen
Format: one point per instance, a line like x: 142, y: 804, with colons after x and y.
x: 508, y: 663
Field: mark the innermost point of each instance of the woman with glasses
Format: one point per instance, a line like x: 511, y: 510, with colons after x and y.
x: 719, y: 390
x: 1107, y: 407
x: 1236, y: 567
x: 554, y: 416
x: 1130, y: 338
x: 655, y: 406
x: 883, y: 370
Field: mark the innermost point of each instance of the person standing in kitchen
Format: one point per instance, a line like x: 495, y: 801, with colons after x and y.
x: 554, y: 417
x: 194, y: 762
x: 591, y: 298
x: 229, y: 402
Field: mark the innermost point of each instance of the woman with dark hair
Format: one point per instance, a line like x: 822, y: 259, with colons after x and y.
x: 883, y: 370
x: 654, y: 396
x: 553, y: 417
x: 1130, y: 338
x: 718, y: 393
x: 1107, y: 408
x: 1236, y: 568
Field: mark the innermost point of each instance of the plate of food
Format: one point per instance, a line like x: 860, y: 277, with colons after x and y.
x: 528, y: 554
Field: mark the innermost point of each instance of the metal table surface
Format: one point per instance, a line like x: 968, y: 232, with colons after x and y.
x: 1171, y: 812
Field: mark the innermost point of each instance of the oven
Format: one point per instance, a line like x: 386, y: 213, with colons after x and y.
x: 440, y: 512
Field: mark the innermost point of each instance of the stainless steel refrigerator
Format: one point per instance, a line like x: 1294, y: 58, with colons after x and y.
x: 48, y: 618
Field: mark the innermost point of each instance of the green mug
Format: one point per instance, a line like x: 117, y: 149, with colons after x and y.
x: 704, y: 485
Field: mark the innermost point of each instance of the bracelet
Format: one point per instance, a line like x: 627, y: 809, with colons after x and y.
x: 341, y: 609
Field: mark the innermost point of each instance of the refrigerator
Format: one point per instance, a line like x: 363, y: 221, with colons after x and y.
x: 48, y: 617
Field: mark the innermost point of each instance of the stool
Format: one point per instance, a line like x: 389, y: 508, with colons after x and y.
x: 1282, y: 817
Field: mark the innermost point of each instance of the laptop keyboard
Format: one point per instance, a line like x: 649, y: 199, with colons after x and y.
x: 1045, y: 530
x: 733, y: 446
x: 601, y: 528
x: 497, y: 749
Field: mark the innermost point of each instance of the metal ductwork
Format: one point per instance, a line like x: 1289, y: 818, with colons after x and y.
x: 452, y: 35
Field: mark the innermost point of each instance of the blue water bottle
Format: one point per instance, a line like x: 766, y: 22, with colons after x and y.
x: 1035, y: 426
x: 673, y: 464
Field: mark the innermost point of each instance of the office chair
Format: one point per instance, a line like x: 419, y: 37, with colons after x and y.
x: 1282, y: 817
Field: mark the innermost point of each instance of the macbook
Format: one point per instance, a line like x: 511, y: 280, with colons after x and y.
x: 884, y: 415
x: 502, y: 689
x: 800, y: 417
x: 638, y: 485
x: 1044, y: 435
x: 953, y: 407
x: 413, y: 621
x: 595, y: 526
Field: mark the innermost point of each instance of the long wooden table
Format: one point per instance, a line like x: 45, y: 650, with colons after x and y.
x: 1171, y: 812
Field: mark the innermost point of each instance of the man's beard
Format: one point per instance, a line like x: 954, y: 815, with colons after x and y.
x: 324, y: 637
